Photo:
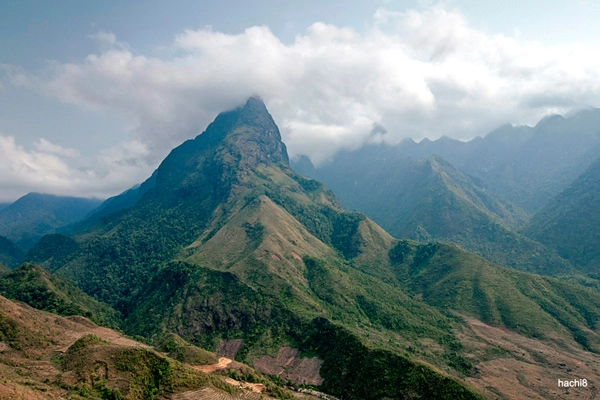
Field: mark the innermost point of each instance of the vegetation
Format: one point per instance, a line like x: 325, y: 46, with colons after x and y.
x: 353, y: 371
x: 10, y: 253
x: 569, y: 223
x: 449, y: 278
x: 181, y: 350
x: 38, y: 288
x: 52, y: 251
x: 227, y: 242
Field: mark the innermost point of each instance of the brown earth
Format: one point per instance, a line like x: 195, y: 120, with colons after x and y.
x: 220, y: 366
x: 213, y: 394
x: 229, y: 348
x: 253, y: 387
x: 524, y: 368
x: 290, y: 366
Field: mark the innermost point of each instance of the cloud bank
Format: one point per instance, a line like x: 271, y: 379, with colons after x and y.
x: 410, y: 74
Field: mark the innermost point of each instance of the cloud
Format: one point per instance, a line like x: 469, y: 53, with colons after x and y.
x: 56, y: 170
x: 45, y: 146
x: 416, y: 74
x: 105, y: 38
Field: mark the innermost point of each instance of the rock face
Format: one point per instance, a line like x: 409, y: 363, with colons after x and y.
x: 291, y: 367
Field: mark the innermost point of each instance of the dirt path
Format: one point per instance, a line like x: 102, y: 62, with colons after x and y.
x: 209, y: 369
x: 254, y: 387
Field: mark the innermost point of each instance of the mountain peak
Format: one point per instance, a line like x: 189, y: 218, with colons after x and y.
x: 230, y: 148
x: 246, y: 127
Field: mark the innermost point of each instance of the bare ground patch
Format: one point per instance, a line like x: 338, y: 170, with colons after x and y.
x: 525, y: 368
x: 290, y: 366
x: 229, y: 348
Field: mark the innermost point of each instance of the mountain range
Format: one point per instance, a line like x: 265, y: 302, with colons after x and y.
x: 226, y: 248
x: 525, y: 165
x: 34, y: 215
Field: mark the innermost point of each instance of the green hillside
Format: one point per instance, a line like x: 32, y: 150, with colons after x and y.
x: 569, y: 223
x: 449, y: 278
x: 52, y: 251
x: 38, y: 288
x: 231, y: 245
x: 10, y: 254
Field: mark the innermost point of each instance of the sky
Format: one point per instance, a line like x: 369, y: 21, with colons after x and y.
x: 93, y: 95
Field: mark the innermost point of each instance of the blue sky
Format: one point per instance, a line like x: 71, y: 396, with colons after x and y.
x: 94, y: 94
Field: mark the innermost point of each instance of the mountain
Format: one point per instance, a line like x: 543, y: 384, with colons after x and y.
x: 234, y: 252
x: 29, y: 218
x: 10, y: 253
x: 569, y: 222
x: 38, y: 288
x: 429, y: 199
x: 230, y: 243
x: 525, y: 165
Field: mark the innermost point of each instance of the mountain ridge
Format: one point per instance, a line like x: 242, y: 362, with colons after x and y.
x: 429, y: 199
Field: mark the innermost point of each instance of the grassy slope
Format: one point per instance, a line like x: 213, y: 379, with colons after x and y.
x: 38, y: 288
x: 263, y: 277
x: 541, y: 307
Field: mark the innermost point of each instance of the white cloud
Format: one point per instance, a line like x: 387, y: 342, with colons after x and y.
x: 45, y: 146
x: 56, y: 170
x: 416, y: 73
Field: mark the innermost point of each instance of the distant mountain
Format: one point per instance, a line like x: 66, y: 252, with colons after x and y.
x: 525, y: 165
x: 29, y: 218
x: 430, y: 199
x: 570, y: 222
x: 4, y: 205
x: 10, y: 253
x: 38, y: 288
